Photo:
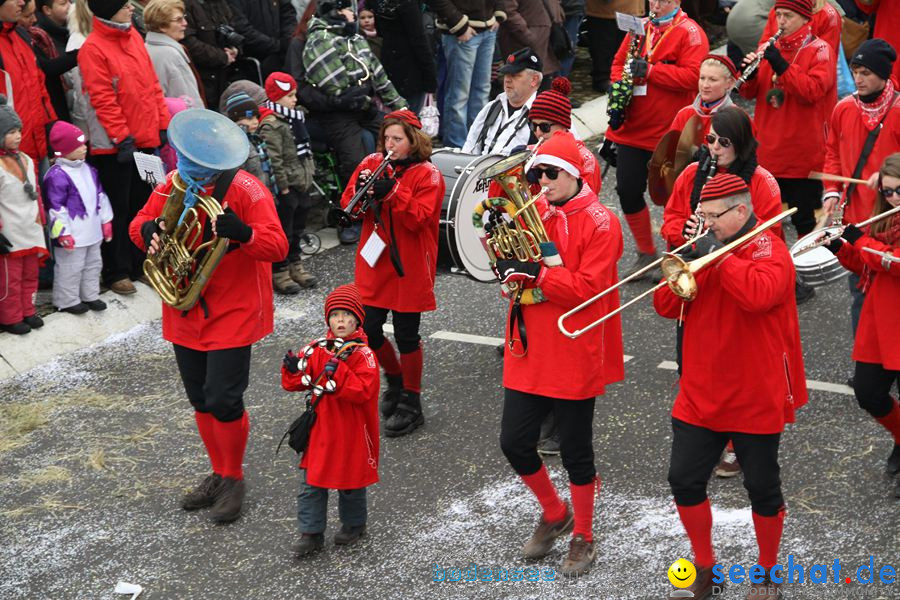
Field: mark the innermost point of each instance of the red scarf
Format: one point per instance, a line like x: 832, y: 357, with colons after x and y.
x: 891, y: 235
x: 791, y: 44
x: 873, y: 112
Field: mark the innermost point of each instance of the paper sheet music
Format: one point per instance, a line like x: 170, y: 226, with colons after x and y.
x: 150, y: 167
x: 630, y: 23
x: 372, y: 249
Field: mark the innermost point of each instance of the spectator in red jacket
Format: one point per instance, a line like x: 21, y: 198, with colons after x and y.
x: 127, y: 114
x: 396, y: 261
x: 212, y: 339
x: 22, y: 82
x: 341, y: 376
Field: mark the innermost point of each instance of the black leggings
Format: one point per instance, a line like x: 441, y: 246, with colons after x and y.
x: 406, y: 328
x: 292, y: 209
x: 806, y: 195
x: 631, y: 178
x: 215, y: 380
x: 520, y: 429
x: 872, y: 385
x: 696, y: 450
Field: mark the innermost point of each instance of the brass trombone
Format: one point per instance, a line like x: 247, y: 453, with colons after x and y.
x: 677, y: 273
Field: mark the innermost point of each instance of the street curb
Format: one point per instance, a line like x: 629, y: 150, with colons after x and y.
x: 590, y: 120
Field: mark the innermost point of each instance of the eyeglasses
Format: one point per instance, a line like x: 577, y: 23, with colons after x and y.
x: 544, y: 127
x: 723, y: 141
x: 537, y: 173
x: 716, y: 216
x: 181, y: 19
x: 889, y: 192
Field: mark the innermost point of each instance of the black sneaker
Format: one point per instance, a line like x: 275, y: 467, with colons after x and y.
x: 897, y: 489
x: 229, y: 501
x: 20, y: 328
x: 349, y: 535
x: 803, y: 293
x: 549, y: 446
x: 78, y: 309
x: 642, y: 261
x: 308, y: 544
x: 204, y: 495
x: 34, y: 321
x: 893, y: 461
x: 391, y: 396
x: 350, y: 235
x: 501, y: 350
x: 407, y: 417
x: 96, y: 305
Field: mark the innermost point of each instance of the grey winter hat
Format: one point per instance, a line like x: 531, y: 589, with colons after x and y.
x: 242, y: 85
x: 9, y: 120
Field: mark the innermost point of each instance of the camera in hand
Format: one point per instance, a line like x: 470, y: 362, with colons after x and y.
x: 228, y: 37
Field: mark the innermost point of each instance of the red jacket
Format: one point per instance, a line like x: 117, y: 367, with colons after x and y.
x: 22, y: 82
x: 847, y: 134
x: 589, y: 239
x: 792, y: 137
x: 742, y: 363
x: 671, y: 82
x: 764, y: 193
x: 879, y: 321
x: 238, y: 297
x: 887, y: 25
x: 122, y: 88
x: 414, y: 206
x: 343, y: 444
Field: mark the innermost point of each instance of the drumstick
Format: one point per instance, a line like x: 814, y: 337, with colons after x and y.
x: 831, y: 177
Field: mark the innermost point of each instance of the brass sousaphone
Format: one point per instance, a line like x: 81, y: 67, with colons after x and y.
x: 673, y: 153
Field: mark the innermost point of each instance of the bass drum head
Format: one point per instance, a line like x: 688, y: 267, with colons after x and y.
x: 461, y: 244
x: 818, y: 266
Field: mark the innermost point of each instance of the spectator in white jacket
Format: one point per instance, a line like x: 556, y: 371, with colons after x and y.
x: 166, y: 24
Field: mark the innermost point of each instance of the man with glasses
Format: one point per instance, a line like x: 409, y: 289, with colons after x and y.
x: 552, y: 373
x: 742, y: 377
x: 872, y: 112
x: 503, y: 123
x: 794, y: 92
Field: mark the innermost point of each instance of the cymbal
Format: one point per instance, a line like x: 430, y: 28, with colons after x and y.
x: 661, y: 169
x: 688, y: 143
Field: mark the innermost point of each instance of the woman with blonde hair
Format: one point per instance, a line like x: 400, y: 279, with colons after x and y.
x: 166, y: 24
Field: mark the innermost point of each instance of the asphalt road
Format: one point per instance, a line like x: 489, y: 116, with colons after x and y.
x: 108, y: 444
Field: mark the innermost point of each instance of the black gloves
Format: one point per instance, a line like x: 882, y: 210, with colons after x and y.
x: 517, y: 270
x: 291, y: 362
x: 163, y: 137
x: 5, y: 244
x: 126, y: 150
x: 852, y: 233
x: 383, y: 187
x: 229, y: 225
x: 771, y: 54
x: 147, y: 231
x: 834, y: 246
x: 355, y: 99
x: 639, y: 68
x: 705, y: 245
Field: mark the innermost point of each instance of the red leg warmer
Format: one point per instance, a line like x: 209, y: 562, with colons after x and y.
x: 231, y: 437
x: 697, y: 521
x: 539, y: 483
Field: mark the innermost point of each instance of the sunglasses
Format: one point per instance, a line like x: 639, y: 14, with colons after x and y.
x: 543, y: 127
x: 536, y: 173
x: 723, y: 141
x: 889, y: 192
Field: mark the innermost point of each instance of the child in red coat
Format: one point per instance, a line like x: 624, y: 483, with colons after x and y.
x: 341, y: 373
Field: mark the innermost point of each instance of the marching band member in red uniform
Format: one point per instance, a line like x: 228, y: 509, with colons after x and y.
x: 825, y: 23
x: 742, y: 377
x: 665, y: 77
x: 212, y: 340
x: 854, y: 120
x: 588, y: 238
x: 875, y: 347
x: 717, y: 77
x: 794, y: 92
x: 401, y: 231
x: 887, y: 23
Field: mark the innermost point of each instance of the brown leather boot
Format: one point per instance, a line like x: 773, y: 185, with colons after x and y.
x: 283, y: 284
x: 702, y: 588
x: 545, y: 535
x: 204, y: 495
x: 229, y: 501
x: 580, y: 558
x: 299, y: 274
x: 768, y: 590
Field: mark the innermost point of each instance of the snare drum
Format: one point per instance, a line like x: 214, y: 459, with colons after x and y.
x: 818, y: 266
x: 460, y: 244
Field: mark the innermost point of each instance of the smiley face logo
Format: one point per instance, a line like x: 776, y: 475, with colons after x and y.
x: 682, y: 573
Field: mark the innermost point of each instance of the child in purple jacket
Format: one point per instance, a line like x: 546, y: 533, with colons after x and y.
x: 80, y: 219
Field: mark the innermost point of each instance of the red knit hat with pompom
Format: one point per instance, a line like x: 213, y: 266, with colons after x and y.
x: 554, y: 104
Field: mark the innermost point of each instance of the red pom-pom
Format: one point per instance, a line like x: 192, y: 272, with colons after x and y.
x: 561, y: 85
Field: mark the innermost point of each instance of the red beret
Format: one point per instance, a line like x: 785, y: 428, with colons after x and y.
x: 405, y: 115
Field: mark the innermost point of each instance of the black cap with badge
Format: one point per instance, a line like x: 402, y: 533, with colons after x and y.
x: 520, y: 60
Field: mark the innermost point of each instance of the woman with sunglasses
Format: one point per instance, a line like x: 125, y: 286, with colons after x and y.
x: 396, y: 260
x: 717, y: 77
x: 664, y: 74
x: 875, y: 348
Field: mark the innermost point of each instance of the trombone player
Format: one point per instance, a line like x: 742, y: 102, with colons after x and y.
x: 212, y: 339
x: 554, y: 373
x: 742, y: 376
